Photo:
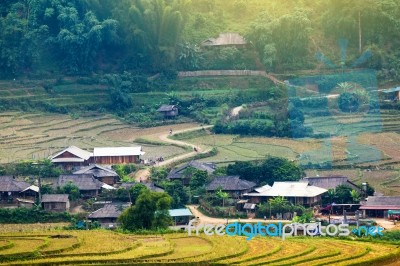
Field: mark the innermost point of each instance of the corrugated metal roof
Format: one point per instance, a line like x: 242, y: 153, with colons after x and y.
x: 291, y: 189
x: 33, y: 188
x: 180, y: 212
x: 166, y: 108
x: 75, y: 151
x: 97, y: 171
x: 117, y: 151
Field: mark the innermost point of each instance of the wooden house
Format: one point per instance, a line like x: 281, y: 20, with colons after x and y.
x: 226, y: 39
x: 103, y: 174
x: 55, y: 202
x: 168, y: 111
x: 71, y: 157
x: 87, y: 184
x: 117, y: 155
x: 379, y: 206
x: 301, y: 193
x: 11, y: 189
x: 181, y: 175
x: 108, y: 215
x: 233, y: 185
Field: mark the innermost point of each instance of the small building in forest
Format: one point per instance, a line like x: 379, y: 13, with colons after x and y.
x: 168, y: 111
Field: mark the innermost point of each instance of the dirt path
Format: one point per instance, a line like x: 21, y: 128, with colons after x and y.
x: 144, y: 174
x: 203, y: 219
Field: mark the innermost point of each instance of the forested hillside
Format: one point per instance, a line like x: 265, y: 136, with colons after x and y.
x: 41, y: 38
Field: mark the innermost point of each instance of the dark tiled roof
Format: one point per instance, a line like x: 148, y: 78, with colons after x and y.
x: 330, y: 182
x: 177, y: 173
x: 97, y: 171
x: 109, y: 211
x: 82, y: 181
x: 9, y: 184
x: 382, y: 201
x: 150, y: 185
x: 55, y: 198
x: 166, y: 108
x: 230, y: 183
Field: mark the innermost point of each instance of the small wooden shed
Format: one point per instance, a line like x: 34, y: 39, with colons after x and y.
x: 55, y: 202
x: 168, y: 111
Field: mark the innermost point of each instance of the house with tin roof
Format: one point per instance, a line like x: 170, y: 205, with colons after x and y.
x: 71, y: 157
x: 295, y: 192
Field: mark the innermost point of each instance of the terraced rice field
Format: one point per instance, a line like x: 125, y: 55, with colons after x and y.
x: 109, y: 248
x: 36, y: 136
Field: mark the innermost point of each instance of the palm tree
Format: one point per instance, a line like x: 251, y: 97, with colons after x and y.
x: 355, y: 196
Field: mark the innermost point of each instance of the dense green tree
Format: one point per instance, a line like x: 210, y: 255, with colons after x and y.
x: 71, y: 189
x: 150, y: 211
x: 268, y: 171
x: 176, y: 190
x: 198, y: 179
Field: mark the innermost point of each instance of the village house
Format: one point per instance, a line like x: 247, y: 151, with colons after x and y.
x: 107, y: 216
x: 330, y: 182
x: 88, y: 186
x: 226, y: 39
x: 71, y: 157
x: 233, y: 185
x: 103, y: 174
x: 117, y: 155
x: 301, y: 193
x: 12, y: 190
x: 74, y: 157
x: 168, y: 111
x: 181, y: 217
x: 379, y: 206
x: 181, y: 174
x: 55, y: 202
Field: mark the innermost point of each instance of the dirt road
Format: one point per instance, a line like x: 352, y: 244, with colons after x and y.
x: 203, y: 219
x: 144, y: 174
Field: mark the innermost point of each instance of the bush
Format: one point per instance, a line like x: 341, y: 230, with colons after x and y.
x: 35, y: 215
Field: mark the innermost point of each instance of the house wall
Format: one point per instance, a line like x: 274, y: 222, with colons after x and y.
x: 89, y: 193
x: 117, y: 159
x: 109, y: 180
x: 55, y: 206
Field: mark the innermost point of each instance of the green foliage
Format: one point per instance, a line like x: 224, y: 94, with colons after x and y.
x: 34, y: 215
x: 176, y: 190
x: 343, y: 194
x: 42, y: 168
x: 268, y: 171
x: 349, y: 102
x: 304, y: 218
x: 198, y: 179
x: 149, y: 212
x: 71, y: 189
x: 123, y: 170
